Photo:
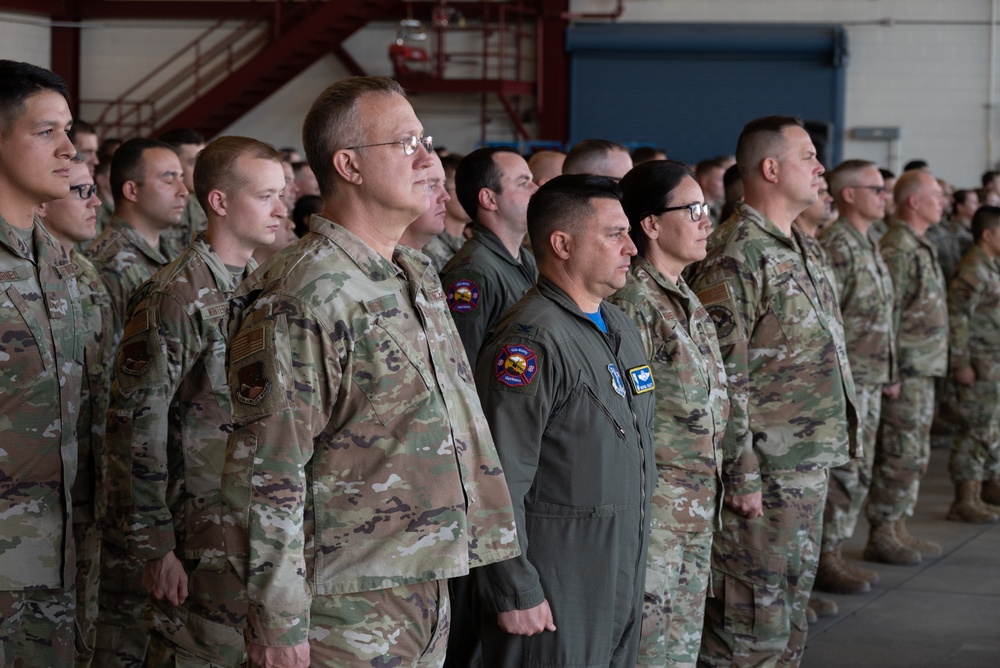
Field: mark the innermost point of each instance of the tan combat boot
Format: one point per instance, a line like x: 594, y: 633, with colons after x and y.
x: 966, y: 509
x: 927, y: 549
x: 991, y: 491
x: 989, y: 507
x: 866, y: 574
x: 820, y: 607
x: 885, y: 547
x: 834, y: 576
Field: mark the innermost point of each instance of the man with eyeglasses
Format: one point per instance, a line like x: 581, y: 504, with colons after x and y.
x: 866, y: 300
x: 791, y: 397
x: 72, y: 220
x: 921, y: 316
x: 360, y: 475
x: 148, y: 186
x: 492, y: 270
x: 40, y: 374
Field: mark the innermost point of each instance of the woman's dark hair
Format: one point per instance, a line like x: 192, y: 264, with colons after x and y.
x: 647, y: 190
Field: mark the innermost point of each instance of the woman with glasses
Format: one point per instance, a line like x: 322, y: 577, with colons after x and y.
x: 670, y: 226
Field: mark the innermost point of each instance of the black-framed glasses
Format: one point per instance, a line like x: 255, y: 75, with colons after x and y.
x: 697, y: 210
x: 878, y: 190
x: 409, y: 144
x: 85, y: 190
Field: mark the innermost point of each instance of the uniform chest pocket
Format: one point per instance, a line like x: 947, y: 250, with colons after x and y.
x: 793, y: 312
x: 24, y: 349
x: 389, y: 372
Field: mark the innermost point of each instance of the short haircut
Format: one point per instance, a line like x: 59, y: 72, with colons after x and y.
x: 847, y: 174
x: 762, y: 138
x: 298, y: 166
x: 450, y: 164
x: 886, y: 173
x: 706, y: 166
x: 215, y: 168
x: 478, y: 170
x: 988, y: 177
x: 986, y: 218
x: 562, y: 202
x: 959, y: 196
x: 647, y: 190
x: 587, y: 156
x: 78, y: 158
x: 18, y: 82
x: 731, y: 176
x: 128, y: 164
x: 909, y: 183
x: 81, y: 128
x: 182, y: 137
x: 305, y: 207
x: 332, y: 123
x: 915, y: 164
x: 646, y: 154
x: 107, y: 149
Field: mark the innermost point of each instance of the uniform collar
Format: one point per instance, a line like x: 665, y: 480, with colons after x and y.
x: 138, y: 240
x: 492, y: 242
x: 746, y: 211
x: 224, y: 278
x: 413, y: 263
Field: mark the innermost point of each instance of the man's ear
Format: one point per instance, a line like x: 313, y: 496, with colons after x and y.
x: 561, y: 242
x: 218, y: 202
x: 347, y: 167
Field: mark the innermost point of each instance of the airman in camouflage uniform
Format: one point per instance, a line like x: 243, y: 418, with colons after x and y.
x: 176, y: 238
x: 791, y: 400
x: 443, y: 247
x: 71, y: 220
x: 150, y: 196
x: 171, y: 403
x: 492, y: 270
x: 953, y: 236
x: 866, y: 302
x: 361, y: 473
x: 691, y: 404
x: 568, y: 391
x: 921, y: 315
x: 41, y: 355
x: 974, y: 345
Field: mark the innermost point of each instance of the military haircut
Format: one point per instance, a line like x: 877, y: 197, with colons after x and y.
x: 847, y: 174
x: 332, y: 123
x: 478, y: 170
x: 907, y: 185
x: 886, y: 173
x: 646, y: 154
x: 762, y: 138
x: 303, y: 210
x: 988, y: 177
x: 915, y: 164
x: 647, y: 190
x: 128, y: 164
x: 588, y: 156
x: 216, y: 168
x: 562, y: 202
x: 986, y: 218
x: 297, y: 167
x: 81, y: 128
x: 706, y: 166
x: 178, y: 137
x: 450, y: 164
x: 18, y: 82
x: 959, y: 196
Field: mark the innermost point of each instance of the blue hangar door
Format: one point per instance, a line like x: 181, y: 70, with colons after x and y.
x: 691, y: 88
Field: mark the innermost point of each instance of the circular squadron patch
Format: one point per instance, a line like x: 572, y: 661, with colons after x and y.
x: 516, y: 365
x: 254, y: 384
x: 723, y: 318
x: 463, y: 296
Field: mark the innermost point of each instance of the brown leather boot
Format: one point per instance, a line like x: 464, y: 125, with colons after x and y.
x: 866, y: 574
x: 991, y: 491
x: 983, y: 503
x: 927, y: 549
x: 968, y: 507
x: 820, y: 607
x: 885, y: 547
x: 834, y: 576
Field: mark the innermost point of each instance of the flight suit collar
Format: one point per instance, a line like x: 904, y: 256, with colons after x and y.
x: 554, y: 293
x: 485, y: 236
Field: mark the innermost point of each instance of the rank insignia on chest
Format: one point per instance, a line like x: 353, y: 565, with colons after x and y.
x: 516, y: 365
x: 617, y: 384
x: 136, y: 359
x: 254, y: 385
x: 463, y: 296
x: 642, y: 379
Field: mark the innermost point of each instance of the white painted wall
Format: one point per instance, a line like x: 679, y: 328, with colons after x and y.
x: 921, y: 65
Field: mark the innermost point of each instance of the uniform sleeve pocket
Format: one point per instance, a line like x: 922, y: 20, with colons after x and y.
x: 752, y: 585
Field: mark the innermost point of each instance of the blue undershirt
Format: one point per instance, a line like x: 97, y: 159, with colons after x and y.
x: 598, y: 320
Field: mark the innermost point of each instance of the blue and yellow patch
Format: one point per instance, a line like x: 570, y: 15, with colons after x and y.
x: 463, y: 296
x: 642, y: 379
x: 617, y: 384
x: 516, y: 365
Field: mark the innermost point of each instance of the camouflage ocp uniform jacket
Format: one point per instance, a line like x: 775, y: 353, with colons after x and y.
x: 361, y: 458
x: 791, y: 393
x: 89, y: 495
x: 171, y: 411
x: 952, y: 239
x: 125, y: 260
x: 921, y: 309
x: 41, y: 356
x: 481, y: 282
x: 692, y: 405
x: 866, y: 302
x: 974, y: 316
x: 442, y: 248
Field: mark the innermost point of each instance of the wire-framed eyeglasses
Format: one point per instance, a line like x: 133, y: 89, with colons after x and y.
x: 409, y: 144
x: 85, y: 190
x: 696, y: 210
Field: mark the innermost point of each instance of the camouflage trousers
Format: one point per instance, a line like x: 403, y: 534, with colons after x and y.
x: 763, y: 571
x: 976, y: 450
x: 88, y: 578
x: 902, y: 452
x: 850, y: 482
x: 37, y: 628
x: 673, y: 610
x: 207, y: 629
x: 401, y: 626
x: 121, y: 627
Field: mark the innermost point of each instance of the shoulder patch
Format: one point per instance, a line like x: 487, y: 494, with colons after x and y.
x: 462, y: 295
x: 136, y: 325
x: 723, y: 318
x: 135, y: 358
x: 642, y: 379
x: 254, y: 384
x: 715, y: 294
x: 246, y: 344
x: 516, y: 365
x: 617, y: 384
